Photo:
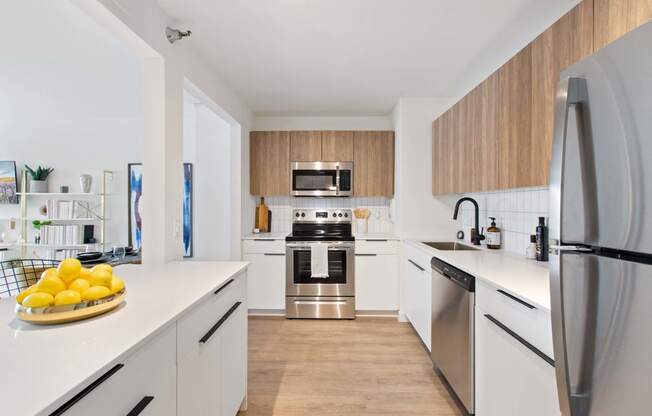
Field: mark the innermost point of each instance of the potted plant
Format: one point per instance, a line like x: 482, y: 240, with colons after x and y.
x: 38, y: 182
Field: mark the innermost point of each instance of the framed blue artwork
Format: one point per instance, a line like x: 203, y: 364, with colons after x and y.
x: 135, y: 172
x: 8, y: 182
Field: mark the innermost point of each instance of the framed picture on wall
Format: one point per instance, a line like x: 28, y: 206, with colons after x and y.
x: 8, y: 182
x: 135, y: 189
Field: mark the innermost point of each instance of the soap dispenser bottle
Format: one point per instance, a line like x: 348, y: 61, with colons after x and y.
x: 493, y: 235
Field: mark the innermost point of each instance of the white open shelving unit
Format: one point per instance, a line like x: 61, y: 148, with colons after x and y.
x: 98, y: 217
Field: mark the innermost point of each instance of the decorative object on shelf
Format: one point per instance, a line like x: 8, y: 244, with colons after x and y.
x: 39, y: 181
x: 85, y: 182
x: 64, y: 189
x: 43, y: 210
x: 135, y: 193
x: 361, y: 219
x: 8, y: 182
x: 261, y: 220
x: 187, y: 210
x: 37, y: 224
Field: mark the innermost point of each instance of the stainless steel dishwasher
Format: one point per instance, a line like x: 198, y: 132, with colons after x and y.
x: 452, y: 340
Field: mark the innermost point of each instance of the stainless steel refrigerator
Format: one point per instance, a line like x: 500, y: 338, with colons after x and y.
x: 601, y: 231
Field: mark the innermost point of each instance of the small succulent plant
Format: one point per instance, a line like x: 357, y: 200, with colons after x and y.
x: 40, y: 173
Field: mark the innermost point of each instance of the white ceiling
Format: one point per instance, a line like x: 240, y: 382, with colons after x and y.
x: 353, y: 57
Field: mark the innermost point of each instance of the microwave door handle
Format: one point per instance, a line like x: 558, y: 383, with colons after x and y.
x: 337, y: 181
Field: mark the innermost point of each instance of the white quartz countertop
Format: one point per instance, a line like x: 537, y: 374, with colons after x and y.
x: 266, y: 236
x: 375, y: 236
x: 43, y: 366
x: 526, y: 279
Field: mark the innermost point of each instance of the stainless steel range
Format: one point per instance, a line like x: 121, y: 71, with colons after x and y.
x: 330, y: 295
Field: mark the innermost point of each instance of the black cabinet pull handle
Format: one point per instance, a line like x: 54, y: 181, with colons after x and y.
x: 417, y: 266
x: 376, y: 240
x: 521, y: 340
x: 264, y: 239
x: 223, y: 286
x: 101, y: 379
x: 219, y: 323
x: 274, y: 254
x: 514, y: 298
x: 366, y: 254
x: 140, y: 406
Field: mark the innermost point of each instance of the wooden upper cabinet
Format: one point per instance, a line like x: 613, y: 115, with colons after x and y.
x: 269, y: 156
x: 567, y: 41
x: 337, y: 146
x: 614, y: 18
x: 487, y: 163
x: 305, y: 146
x: 373, y: 168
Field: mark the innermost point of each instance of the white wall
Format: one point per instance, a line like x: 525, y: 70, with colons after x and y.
x: 324, y: 123
x: 142, y: 24
x: 207, y: 145
x: 69, y: 99
x: 417, y: 212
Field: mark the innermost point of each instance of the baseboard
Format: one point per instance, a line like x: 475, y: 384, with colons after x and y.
x: 266, y: 312
x: 376, y: 314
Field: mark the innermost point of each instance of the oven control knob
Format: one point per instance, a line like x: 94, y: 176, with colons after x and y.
x: 346, y: 215
x: 303, y: 214
x: 297, y: 215
x: 334, y: 215
x: 339, y: 215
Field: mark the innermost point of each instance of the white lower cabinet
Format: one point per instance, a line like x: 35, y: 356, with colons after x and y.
x: 376, y: 276
x: 418, y: 292
x: 510, y: 378
x: 145, y: 381
x: 212, y: 354
x: 266, y: 274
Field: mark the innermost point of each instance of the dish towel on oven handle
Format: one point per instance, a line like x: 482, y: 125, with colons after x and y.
x: 319, y: 260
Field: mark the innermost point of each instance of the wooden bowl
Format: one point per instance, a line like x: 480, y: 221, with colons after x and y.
x: 69, y: 313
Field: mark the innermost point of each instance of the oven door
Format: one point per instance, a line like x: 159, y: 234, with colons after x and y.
x: 341, y: 276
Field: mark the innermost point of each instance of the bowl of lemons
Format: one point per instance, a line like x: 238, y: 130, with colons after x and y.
x: 70, y: 293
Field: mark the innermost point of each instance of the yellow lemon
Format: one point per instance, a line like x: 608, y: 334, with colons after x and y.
x: 50, y: 284
x: 103, y: 267
x: 69, y: 270
x: 22, y: 295
x: 101, y: 277
x: 67, y: 297
x: 79, y: 285
x: 117, y: 284
x: 85, y: 274
x: 38, y: 300
x: 50, y: 272
x: 96, y: 292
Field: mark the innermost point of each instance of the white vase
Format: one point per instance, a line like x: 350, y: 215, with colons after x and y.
x: 38, y: 187
x: 86, y: 181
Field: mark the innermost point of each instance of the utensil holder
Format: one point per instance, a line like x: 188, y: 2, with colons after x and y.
x: 362, y: 225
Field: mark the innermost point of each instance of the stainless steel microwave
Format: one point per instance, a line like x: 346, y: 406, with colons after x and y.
x: 321, y: 178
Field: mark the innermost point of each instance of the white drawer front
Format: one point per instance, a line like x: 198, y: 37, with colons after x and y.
x: 146, y: 378
x: 529, y: 322
x: 376, y: 247
x: 263, y: 246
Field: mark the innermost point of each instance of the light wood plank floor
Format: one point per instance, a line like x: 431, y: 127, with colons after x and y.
x: 369, y: 366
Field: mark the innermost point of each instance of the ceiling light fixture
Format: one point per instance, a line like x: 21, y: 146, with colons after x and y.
x: 174, y: 35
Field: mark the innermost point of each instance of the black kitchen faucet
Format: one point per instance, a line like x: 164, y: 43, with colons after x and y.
x: 476, y: 236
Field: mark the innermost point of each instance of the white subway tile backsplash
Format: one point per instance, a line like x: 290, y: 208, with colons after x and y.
x: 516, y: 211
x: 379, y: 222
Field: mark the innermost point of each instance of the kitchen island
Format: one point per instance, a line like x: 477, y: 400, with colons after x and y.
x: 181, y: 332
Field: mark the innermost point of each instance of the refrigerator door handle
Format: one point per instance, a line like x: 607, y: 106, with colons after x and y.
x: 570, y: 91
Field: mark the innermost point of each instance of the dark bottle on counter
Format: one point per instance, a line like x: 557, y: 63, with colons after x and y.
x: 542, y: 240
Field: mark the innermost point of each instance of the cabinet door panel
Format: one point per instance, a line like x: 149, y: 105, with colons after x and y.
x: 337, y: 146
x: 511, y: 380
x: 567, y: 41
x: 269, y: 153
x: 305, y: 146
x: 233, y: 358
x: 614, y: 18
x: 373, y: 154
x: 150, y: 371
x: 376, y: 282
x: 266, y: 280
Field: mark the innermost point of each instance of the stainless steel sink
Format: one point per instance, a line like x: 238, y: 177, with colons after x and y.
x: 449, y: 246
